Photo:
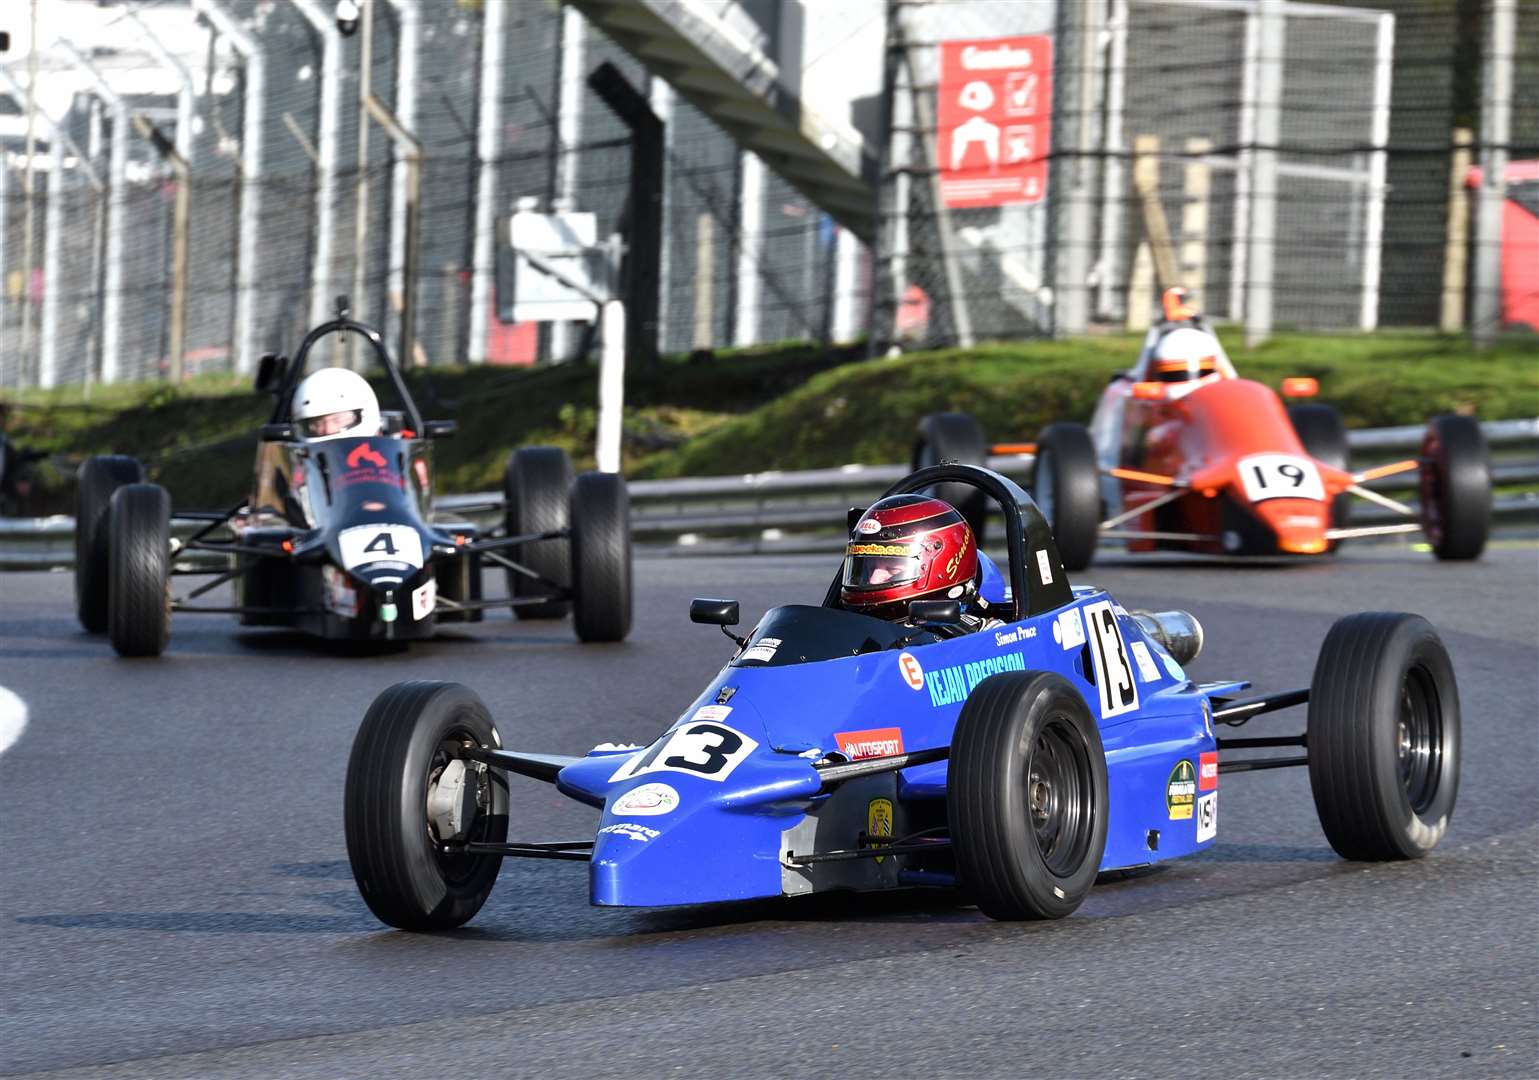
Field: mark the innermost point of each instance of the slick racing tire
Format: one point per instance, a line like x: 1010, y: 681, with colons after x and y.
x: 98, y: 478
x: 535, y: 485
x: 954, y: 437
x: 1455, y: 484
x: 1066, y: 484
x: 1027, y: 796
x: 1383, y: 737
x: 601, y: 557
x: 407, y: 740
x: 139, y: 570
x: 1324, y: 438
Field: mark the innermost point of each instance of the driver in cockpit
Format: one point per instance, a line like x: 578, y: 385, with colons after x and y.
x: 913, y: 547
x: 335, y: 403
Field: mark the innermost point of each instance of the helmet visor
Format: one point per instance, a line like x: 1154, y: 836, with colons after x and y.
x: 880, y: 566
x: 331, y: 423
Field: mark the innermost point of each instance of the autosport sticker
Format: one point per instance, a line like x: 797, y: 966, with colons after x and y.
x: 1207, y: 770
x: 950, y: 685
x: 1146, y: 667
x: 878, y: 742
x: 1207, y: 817
x: 879, y: 820
x: 1280, y: 476
x: 762, y: 650
x: 630, y: 830
x: 700, y: 748
x: 1181, y: 791
x: 648, y: 800
x: 364, y: 544
x: 1113, y: 673
x: 913, y: 674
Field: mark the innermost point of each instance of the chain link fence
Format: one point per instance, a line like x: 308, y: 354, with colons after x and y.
x: 1371, y: 97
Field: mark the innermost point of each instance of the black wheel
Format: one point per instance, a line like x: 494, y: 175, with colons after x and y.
x: 98, y: 478
x: 139, y: 570
x: 1324, y: 438
x: 601, y: 557
x: 1383, y: 736
x: 405, y: 779
x: 1066, y: 484
x: 1455, y: 487
x: 954, y: 437
x: 1027, y: 796
x: 535, y: 484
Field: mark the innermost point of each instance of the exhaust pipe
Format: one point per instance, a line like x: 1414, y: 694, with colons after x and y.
x: 1178, y: 632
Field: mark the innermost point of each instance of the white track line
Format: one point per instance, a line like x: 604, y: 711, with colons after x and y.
x: 13, y: 718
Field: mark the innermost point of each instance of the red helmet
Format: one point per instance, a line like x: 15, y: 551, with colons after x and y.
x: 904, y: 548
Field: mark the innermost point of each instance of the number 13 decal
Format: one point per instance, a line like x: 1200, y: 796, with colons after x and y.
x: 1113, y: 672
x: 704, y: 748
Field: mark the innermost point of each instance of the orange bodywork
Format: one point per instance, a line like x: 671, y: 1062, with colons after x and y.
x: 1229, y: 441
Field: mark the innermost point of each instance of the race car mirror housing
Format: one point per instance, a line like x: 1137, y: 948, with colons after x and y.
x: 277, y: 432
x: 1149, y: 391
x: 269, y: 373
x: 713, y: 612
x: 1300, y: 386
x: 935, y: 612
x: 440, y: 429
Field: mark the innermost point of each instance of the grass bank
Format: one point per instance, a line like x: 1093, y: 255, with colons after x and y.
x: 790, y: 407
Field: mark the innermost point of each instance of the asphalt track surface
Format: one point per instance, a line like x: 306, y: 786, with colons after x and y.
x: 175, y: 898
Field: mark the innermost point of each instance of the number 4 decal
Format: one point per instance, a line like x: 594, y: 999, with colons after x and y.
x: 1113, y: 672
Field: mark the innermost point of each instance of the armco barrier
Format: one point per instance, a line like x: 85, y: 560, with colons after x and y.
x: 766, y: 506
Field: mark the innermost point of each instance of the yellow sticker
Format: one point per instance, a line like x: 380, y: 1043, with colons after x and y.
x: 879, y: 820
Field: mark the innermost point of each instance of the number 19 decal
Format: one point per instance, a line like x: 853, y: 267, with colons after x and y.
x: 1113, y: 672
x: 705, y: 749
x: 1280, y: 476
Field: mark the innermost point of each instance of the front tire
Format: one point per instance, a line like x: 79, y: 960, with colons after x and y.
x: 139, y: 570
x: 601, y: 557
x: 1455, y: 486
x: 535, y: 485
x: 955, y: 437
x: 407, y: 739
x: 1027, y: 796
x: 98, y: 478
x: 1066, y: 484
x: 1384, y: 737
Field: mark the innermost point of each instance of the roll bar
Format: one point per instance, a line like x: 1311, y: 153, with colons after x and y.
x: 344, y: 325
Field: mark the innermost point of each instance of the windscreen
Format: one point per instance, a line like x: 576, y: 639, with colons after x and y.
x: 801, y: 634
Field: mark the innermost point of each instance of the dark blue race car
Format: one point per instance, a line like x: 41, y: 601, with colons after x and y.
x: 839, y: 751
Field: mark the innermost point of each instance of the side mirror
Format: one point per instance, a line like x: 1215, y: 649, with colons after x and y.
x: 1300, y: 386
x: 851, y: 516
x: 269, y: 374
x: 277, y: 433
x: 933, y: 612
x: 439, y: 429
x: 713, y: 612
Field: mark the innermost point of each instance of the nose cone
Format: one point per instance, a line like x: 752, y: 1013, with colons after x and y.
x: 1299, y: 524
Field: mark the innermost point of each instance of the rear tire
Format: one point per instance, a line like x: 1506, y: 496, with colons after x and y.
x: 1066, y: 484
x: 1455, y: 485
x: 535, y: 485
x: 1324, y: 438
x: 1027, y: 796
x: 1384, y: 736
x: 139, y: 570
x: 98, y: 478
x: 407, y: 737
x: 955, y: 437
x: 601, y: 557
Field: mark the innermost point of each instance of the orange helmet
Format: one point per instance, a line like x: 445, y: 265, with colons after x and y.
x: 908, y: 547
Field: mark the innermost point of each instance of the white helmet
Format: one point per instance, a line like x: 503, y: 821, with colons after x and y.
x: 335, y: 403
x: 1183, y: 355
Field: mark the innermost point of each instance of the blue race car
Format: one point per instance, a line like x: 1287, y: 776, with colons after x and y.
x: 840, y: 751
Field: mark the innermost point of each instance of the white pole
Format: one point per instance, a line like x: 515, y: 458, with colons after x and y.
x: 117, y: 204
x: 407, y: 66
x: 1263, y: 224
x: 611, y: 405
x: 750, y: 244
x: 1495, y: 129
x: 53, y: 227
x: 1073, y: 292
x: 1113, y: 173
x: 1373, y: 227
x: 846, y: 323
x: 1238, y: 265
x: 489, y: 124
x: 322, y: 269
x: 568, y: 135
x: 662, y: 98
x: 253, y: 120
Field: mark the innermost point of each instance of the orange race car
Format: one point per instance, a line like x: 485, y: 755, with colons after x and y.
x: 1184, y: 454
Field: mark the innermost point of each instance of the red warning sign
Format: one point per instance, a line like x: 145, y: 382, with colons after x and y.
x: 994, y: 120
